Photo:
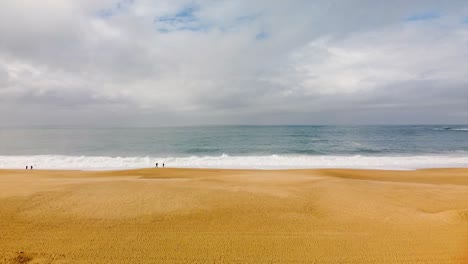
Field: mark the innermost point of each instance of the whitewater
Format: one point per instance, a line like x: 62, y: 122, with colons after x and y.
x: 234, y: 162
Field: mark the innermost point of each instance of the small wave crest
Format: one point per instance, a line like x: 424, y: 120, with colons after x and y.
x: 451, y: 129
x: 235, y: 162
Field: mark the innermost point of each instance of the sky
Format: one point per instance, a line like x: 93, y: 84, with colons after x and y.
x: 215, y: 62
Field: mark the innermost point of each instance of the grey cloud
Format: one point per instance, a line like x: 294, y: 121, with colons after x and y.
x: 323, y: 61
x: 4, y: 77
x: 68, y: 99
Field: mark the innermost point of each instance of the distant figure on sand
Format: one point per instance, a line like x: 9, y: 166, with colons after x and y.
x: 26, y: 167
x: 156, y: 164
x: 163, y: 165
x: 31, y: 167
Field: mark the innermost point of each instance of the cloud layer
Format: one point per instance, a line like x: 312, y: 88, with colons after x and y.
x: 146, y: 63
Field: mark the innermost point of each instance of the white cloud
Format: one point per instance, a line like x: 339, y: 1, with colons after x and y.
x: 379, y: 59
x: 317, y: 57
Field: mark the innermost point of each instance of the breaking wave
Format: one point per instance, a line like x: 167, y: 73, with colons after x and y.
x: 236, y: 162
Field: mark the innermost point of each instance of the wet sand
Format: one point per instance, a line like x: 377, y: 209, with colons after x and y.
x: 234, y: 216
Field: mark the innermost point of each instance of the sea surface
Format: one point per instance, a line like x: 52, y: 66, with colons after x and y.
x: 255, y: 147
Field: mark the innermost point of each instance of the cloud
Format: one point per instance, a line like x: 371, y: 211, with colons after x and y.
x: 377, y: 59
x: 211, y: 62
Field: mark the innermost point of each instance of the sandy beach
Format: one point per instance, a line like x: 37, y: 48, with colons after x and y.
x: 234, y: 216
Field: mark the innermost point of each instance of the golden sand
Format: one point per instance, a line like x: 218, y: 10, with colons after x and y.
x: 234, y: 216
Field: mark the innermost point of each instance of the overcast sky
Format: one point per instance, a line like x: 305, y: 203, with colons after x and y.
x: 177, y: 62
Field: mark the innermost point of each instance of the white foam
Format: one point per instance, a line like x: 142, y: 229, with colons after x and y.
x: 235, y: 162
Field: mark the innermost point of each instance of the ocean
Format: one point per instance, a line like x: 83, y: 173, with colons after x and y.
x: 246, y: 147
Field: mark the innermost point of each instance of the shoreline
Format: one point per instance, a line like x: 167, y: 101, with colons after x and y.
x: 237, y: 169
x: 310, y: 170
x: 234, y: 216
x: 262, y: 162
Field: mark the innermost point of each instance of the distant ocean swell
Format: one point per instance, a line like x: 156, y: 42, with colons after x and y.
x: 236, y: 162
x: 452, y: 129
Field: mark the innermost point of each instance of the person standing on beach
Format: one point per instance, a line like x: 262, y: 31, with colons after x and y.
x: 156, y: 164
x: 26, y: 167
x: 31, y: 167
x: 163, y: 165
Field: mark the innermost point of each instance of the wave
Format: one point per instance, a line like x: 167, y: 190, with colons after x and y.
x: 236, y: 162
x: 452, y: 129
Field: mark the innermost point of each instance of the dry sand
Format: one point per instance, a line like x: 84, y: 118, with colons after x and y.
x: 234, y: 216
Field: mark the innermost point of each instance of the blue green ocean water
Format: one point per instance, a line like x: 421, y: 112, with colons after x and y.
x: 258, y: 147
